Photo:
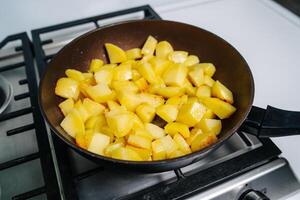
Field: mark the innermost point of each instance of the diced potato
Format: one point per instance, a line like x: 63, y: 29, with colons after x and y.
x: 191, y: 113
x: 175, y: 75
x: 178, y: 56
x: 121, y: 86
x: 111, y: 147
x: 196, y: 75
x: 129, y: 100
x: 84, y: 114
x: 203, y: 140
x: 139, y: 141
x: 89, y: 78
x: 133, y: 54
x: 167, y: 112
x: 106, y: 130
x: 146, y: 112
x: 169, y: 144
x: 210, y: 125
x: 120, y: 123
x: 142, y: 84
x: 67, y: 88
x: 208, y: 81
x: 145, y: 69
x: 159, y: 65
x: 124, y: 153
x: 66, y: 106
x: 177, y: 101
x: 220, y: 108
x: 80, y: 140
x: 104, y: 75
x: 115, y: 53
x: 163, y: 49
x: 137, y: 123
x: 92, y: 107
x: 95, y: 122
x: 145, y: 154
x: 203, y: 91
x: 112, y: 105
x: 177, y: 153
x: 174, y: 127
x: 158, y: 150
x: 82, y: 88
x: 209, y: 114
x: 222, y: 92
x: 189, y: 89
x: 155, y: 130
x: 122, y: 72
x: 95, y: 65
x: 74, y: 74
x: 209, y: 68
x: 100, y: 93
x: 135, y: 74
x: 194, y: 133
x: 98, y: 143
x: 170, y: 91
x: 88, y: 136
x: 73, y: 123
x: 191, y: 60
x: 143, y: 133
x: 149, y: 46
x: 151, y: 99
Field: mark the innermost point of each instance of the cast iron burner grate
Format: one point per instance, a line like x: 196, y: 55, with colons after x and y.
x: 81, y: 179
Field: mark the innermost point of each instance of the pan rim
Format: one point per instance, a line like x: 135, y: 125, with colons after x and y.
x: 193, y: 155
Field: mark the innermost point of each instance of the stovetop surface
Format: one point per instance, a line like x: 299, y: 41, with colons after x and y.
x: 77, y: 176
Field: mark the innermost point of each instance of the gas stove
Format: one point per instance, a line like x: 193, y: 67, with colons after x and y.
x: 35, y: 164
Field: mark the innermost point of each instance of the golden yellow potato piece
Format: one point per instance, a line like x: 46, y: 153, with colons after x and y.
x: 106, y: 130
x: 208, y: 81
x: 66, y: 106
x: 82, y: 111
x: 220, y: 108
x: 169, y: 144
x: 134, y: 53
x: 89, y: 78
x: 124, y: 153
x: 209, y: 68
x: 203, y: 91
x: 112, y: 105
x: 149, y: 46
x: 158, y: 150
x: 73, y: 123
x: 156, y: 131
x: 222, y: 92
x: 135, y: 73
x: 100, y: 93
x: 145, y: 69
x: 178, y: 56
x: 203, y: 140
x: 119, y: 123
x: 191, y: 113
x: 121, y: 86
x: 189, y: 89
x: 159, y: 65
x: 74, y: 74
x: 112, y: 147
x: 80, y: 140
x: 177, y: 153
x: 175, y: 75
x: 175, y: 127
x: 167, y: 112
x: 145, y: 154
x: 181, y: 143
x: 142, y: 132
x: 122, y: 72
x: 115, y: 53
x: 146, y: 112
x: 139, y: 141
x: 177, y: 101
x: 209, y: 114
x: 95, y: 122
x: 170, y: 91
x: 92, y: 107
x: 163, y: 49
x: 210, y: 125
x: 151, y: 99
x: 98, y: 143
x: 95, y: 65
x: 129, y: 100
x: 196, y: 75
x: 67, y: 88
x: 193, y: 135
x: 104, y: 75
x: 142, y: 84
x: 191, y: 60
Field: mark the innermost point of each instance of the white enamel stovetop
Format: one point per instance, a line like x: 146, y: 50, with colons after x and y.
x: 266, y: 34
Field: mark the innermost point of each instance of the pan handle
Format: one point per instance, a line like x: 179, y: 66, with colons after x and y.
x: 271, y: 122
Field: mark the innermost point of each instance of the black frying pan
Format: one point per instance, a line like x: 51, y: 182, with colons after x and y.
x: 232, y: 70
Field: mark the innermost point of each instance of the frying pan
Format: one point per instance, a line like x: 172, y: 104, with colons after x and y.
x: 232, y: 70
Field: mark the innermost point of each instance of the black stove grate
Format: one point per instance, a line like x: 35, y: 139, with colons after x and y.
x: 44, y: 154
x: 182, y: 184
